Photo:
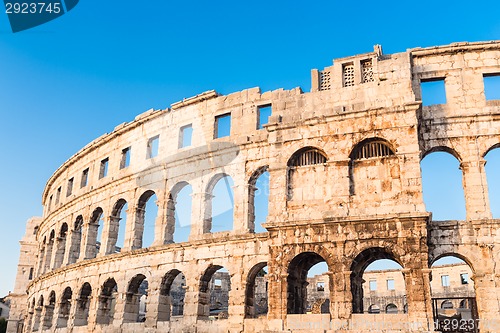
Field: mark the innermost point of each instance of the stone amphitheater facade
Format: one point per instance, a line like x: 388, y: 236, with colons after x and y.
x: 345, y: 188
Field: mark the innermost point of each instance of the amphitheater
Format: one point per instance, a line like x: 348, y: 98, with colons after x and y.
x: 345, y: 188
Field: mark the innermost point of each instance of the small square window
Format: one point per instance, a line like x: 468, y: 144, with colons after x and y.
x: 390, y: 284
x: 103, y: 169
x: 491, y: 86
x: 186, y: 134
x: 125, y: 160
x: 153, y: 146
x: 58, y: 195
x: 320, y: 286
x: 433, y: 91
x: 464, y: 278
x: 70, y: 187
x: 85, y: 178
x: 50, y: 202
x: 223, y: 125
x: 264, y: 112
x: 30, y: 277
x: 373, y: 285
x: 217, y: 283
x: 445, y: 280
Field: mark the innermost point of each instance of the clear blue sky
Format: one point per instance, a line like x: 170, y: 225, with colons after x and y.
x: 69, y: 81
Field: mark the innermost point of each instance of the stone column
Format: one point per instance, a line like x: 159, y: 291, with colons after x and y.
x: 201, y: 216
x: 133, y: 232
x: 161, y: 224
x: 240, y: 208
x: 418, y: 296
x: 110, y: 235
x: 475, y: 189
x: 340, y: 295
x: 89, y: 235
x: 119, y: 309
x: 488, y: 299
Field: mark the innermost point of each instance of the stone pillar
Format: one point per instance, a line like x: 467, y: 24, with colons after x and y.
x: 278, y: 294
x: 161, y: 224
x: 119, y: 309
x: 89, y: 235
x: 240, y: 209
x: 418, y: 296
x: 110, y: 235
x: 201, y: 216
x: 153, y: 300
x: 340, y: 295
x: 169, y: 224
x: 475, y: 189
x: 488, y: 300
x: 133, y: 231
x: 236, y: 309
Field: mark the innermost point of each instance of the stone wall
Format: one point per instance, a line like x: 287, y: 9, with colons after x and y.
x: 345, y: 189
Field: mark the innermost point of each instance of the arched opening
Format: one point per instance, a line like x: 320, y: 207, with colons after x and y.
x: 374, y: 169
x: 136, y: 300
x: 308, y: 285
x: 215, y: 285
x: 179, y: 208
x: 147, y: 211
x: 94, y: 236
x: 306, y: 174
x: 221, y: 206
x: 38, y: 314
x: 493, y: 177
x: 172, y: 295
x: 258, y: 199
x: 30, y: 317
x: 452, y: 291
x: 76, y: 240
x: 117, y: 226
x: 41, y: 256
x: 61, y: 246
x: 83, y: 305
x: 50, y: 247
x: 64, y: 308
x: 442, y: 178
x: 391, y: 308
x: 374, y: 309
x: 49, y: 311
x: 256, y: 292
x: 376, y: 278
x: 106, y: 302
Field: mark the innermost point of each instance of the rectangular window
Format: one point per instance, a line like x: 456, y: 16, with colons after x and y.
x: 103, y: 169
x: 223, y: 125
x: 69, y: 190
x: 348, y: 75
x: 491, y: 86
x: 433, y: 91
x: 186, y: 134
x: 390, y: 284
x: 58, y: 195
x: 85, y: 178
x: 464, y: 278
x: 125, y: 160
x: 373, y: 285
x: 217, y: 283
x: 445, y: 280
x: 30, y: 277
x: 320, y: 286
x: 50, y: 202
x: 264, y: 112
x: 153, y: 145
x: 367, y: 71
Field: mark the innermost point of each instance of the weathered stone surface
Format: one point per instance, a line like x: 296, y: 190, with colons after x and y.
x: 345, y: 188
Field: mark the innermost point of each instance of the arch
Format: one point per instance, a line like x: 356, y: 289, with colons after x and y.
x: 307, y: 156
x: 358, y: 266
x: 372, y: 148
x: 117, y: 226
x: 443, y: 177
x: 94, y: 242
x: 457, y: 255
x: 391, y: 308
x: 38, y: 313
x: 373, y: 309
x: 49, y: 311
x: 83, y: 305
x: 64, y: 308
x: 76, y: 239
x: 106, y: 302
x: 491, y: 167
x: 256, y: 291
x: 219, y: 214
x: 135, y: 301
x: 172, y: 295
x: 61, y: 245
x: 446, y: 304
x: 214, y: 287
x: 298, y: 268
x: 179, y: 209
x: 258, y: 199
x: 49, y: 249
x: 443, y: 149
x: 145, y: 222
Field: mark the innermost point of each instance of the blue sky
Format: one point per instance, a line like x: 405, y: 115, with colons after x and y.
x: 71, y: 80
